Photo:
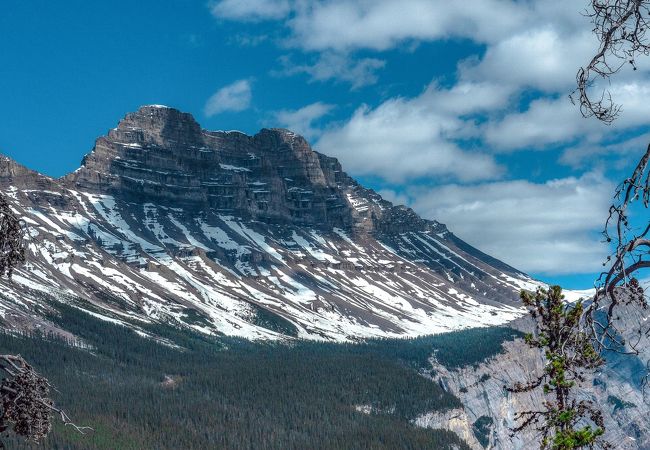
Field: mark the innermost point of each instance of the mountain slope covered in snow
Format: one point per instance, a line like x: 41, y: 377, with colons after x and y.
x: 252, y: 236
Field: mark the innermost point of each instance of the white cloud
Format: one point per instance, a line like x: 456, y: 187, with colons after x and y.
x: 551, y: 122
x: 234, y: 97
x: 545, y: 122
x: 537, y: 43
x: 301, y: 120
x: 537, y: 46
x: 543, y: 58
x: 337, y: 66
x: 410, y: 138
x: 394, y: 197
x: 249, y: 10
x: 342, y: 25
x: 584, y: 155
x: 548, y: 228
x: 466, y: 98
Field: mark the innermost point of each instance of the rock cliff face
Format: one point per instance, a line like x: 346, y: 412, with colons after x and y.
x: 255, y: 236
x: 161, y: 155
x: 489, y: 409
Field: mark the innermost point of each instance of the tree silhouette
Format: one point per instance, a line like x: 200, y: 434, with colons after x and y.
x: 621, y: 28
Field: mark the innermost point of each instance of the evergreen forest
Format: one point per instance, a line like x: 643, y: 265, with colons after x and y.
x: 218, y: 392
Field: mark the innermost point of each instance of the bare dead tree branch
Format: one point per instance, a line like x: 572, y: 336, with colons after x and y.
x: 25, y: 401
x: 619, y: 284
x: 620, y: 26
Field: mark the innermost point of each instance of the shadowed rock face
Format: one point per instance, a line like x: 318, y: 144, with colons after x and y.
x: 255, y: 236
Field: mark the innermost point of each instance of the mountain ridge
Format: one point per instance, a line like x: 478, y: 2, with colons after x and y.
x: 256, y: 236
x: 157, y: 148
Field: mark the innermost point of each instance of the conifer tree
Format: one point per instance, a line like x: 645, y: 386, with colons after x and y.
x: 565, y: 420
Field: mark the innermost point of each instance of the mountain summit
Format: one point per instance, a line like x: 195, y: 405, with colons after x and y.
x: 254, y: 236
x: 161, y: 155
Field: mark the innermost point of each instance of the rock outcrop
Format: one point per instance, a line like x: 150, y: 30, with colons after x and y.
x: 489, y: 410
x: 161, y: 155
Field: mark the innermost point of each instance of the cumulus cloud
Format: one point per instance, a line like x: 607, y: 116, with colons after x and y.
x: 409, y: 138
x: 532, y: 54
x: 537, y: 47
x: 344, y: 25
x: 249, y: 10
x: 234, y: 97
x: 620, y: 153
x: 334, y: 28
x: 301, y: 120
x: 394, y: 197
x: 466, y: 98
x: 383, y: 24
x: 543, y: 58
x: 338, y: 66
x: 544, y: 123
x: 550, y: 228
x: 551, y: 122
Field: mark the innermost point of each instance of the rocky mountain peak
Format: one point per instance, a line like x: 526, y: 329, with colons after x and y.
x: 276, y: 138
x: 256, y: 236
x: 159, y: 125
x: 10, y: 168
x: 16, y: 176
x: 161, y: 155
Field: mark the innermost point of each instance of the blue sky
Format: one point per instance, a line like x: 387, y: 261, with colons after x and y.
x: 458, y: 109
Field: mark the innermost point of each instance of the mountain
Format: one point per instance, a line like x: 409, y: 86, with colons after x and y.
x: 252, y: 236
x: 263, y: 238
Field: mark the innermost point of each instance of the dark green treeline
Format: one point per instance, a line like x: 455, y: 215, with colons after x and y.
x: 227, y: 393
